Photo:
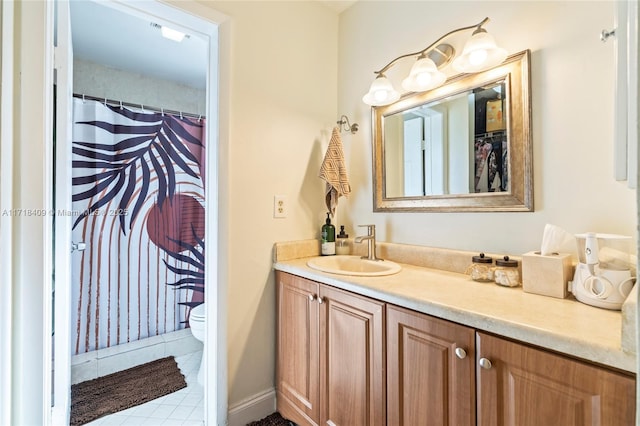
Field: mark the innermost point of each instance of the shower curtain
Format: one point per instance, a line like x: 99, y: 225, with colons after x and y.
x: 138, y: 204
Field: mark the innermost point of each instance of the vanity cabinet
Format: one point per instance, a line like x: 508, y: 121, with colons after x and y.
x: 434, y: 366
x: 330, y: 355
x: 348, y: 360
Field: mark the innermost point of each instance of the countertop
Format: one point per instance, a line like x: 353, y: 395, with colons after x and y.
x: 562, y: 325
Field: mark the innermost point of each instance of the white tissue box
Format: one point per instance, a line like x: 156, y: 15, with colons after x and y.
x: 546, y: 275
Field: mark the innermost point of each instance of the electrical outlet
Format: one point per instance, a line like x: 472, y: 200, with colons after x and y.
x: 279, y: 206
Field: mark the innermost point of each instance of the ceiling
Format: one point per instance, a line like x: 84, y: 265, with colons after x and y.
x: 337, y: 5
x: 111, y: 37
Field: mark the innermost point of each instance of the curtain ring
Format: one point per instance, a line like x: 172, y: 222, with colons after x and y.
x: 120, y: 104
x: 200, y: 118
x: 162, y: 111
x: 105, y: 101
x: 181, y: 115
x: 83, y: 100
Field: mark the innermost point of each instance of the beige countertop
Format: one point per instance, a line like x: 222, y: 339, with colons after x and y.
x: 562, y: 325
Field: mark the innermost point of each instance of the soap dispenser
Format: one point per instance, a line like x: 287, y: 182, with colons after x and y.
x: 342, y: 242
x: 328, y: 246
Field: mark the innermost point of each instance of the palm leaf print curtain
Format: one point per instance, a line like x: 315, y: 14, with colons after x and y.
x: 138, y: 203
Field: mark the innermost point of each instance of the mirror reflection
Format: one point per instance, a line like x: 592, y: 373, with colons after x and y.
x: 465, y: 146
x: 456, y: 145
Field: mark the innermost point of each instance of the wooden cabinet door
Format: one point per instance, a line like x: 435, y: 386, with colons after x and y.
x: 531, y: 387
x: 352, y: 365
x: 428, y: 384
x: 297, y: 352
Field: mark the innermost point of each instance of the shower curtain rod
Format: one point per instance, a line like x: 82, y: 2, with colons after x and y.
x: 140, y: 106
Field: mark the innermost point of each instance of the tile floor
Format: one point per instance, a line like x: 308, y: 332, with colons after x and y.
x: 182, y: 408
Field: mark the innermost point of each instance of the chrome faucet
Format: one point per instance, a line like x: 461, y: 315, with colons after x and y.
x: 371, y: 241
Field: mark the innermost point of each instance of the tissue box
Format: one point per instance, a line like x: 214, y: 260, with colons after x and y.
x: 546, y: 275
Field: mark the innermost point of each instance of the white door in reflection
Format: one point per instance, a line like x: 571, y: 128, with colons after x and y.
x: 424, y: 154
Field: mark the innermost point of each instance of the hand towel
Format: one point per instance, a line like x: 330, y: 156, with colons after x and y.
x: 334, y: 172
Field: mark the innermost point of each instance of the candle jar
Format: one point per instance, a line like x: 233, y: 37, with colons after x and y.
x: 481, y: 268
x: 506, y: 272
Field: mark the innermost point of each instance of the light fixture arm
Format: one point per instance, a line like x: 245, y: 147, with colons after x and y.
x: 431, y: 46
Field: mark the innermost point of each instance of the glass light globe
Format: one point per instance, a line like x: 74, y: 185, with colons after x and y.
x: 424, y: 76
x: 480, y: 53
x: 381, y: 93
x: 477, y: 57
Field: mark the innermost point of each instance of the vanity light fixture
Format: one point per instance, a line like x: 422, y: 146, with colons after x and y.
x: 479, y: 53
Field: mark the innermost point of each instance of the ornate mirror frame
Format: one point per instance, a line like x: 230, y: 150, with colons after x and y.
x: 515, y: 72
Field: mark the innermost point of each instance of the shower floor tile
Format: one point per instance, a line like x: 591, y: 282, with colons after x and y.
x: 182, y: 408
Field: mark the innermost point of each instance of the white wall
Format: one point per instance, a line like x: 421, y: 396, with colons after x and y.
x: 105, y: 82
x: 572, y: 93
x: 460, y: 153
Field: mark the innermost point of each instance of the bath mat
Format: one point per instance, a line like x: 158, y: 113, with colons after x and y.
x: 125, y: 389
x: 274, y: 419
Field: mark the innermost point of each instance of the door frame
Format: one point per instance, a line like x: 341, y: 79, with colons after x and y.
x: 61, y: 167
x: 210, y: 23
x: 6, y: 203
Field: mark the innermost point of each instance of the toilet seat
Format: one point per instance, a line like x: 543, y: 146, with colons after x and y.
x: 197, y: 313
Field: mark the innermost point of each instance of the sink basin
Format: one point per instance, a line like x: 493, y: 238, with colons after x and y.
x: 354, y: 265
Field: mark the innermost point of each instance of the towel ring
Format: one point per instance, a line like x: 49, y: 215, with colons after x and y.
x: 344, y: 124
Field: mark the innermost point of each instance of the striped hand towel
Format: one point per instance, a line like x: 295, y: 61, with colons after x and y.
x: 334, y: 172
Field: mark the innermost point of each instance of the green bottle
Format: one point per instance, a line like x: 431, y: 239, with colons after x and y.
x: 328, y: 246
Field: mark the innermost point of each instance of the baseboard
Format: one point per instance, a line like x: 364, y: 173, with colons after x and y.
x: 253, y: 408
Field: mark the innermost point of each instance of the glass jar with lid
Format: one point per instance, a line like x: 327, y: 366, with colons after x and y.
x: 481, y: 268
x: 506, y: 272
x: 343, y: 245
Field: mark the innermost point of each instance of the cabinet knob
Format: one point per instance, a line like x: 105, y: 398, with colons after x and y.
x: 461, y: 353
x: 320, y: 300
x: 485, y: 363
x: 312, y: 297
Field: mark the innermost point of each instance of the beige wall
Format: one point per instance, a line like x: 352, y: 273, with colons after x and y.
x: 283, y: 98
x: 572, y: 91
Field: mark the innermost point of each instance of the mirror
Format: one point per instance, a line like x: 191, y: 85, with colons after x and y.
x: 465, y: 146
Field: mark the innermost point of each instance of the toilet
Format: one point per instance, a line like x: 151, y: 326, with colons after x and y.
x: 196, y: 323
